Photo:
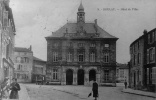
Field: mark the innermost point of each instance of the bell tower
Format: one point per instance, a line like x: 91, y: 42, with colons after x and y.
x: 80, y: 14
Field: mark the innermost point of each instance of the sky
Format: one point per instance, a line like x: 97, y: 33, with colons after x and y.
x: 36, y: 19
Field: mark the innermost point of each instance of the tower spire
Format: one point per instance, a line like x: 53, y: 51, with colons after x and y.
x: 81, y: 13
x: 81, y: 8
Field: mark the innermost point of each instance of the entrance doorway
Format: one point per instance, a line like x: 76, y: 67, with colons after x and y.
x: 92, y: 75
x: 80, y: 77
x: 134, y: 79
x: 69, y: 77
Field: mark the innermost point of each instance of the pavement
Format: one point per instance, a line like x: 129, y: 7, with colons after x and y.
x: 138, y: 92
x: 23, y: 94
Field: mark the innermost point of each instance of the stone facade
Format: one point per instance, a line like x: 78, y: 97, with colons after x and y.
x: 23, y: 64
x: 137, y: 63
x: 80, y: 52
x: 39, y: 69
x: 122, y: 73
x: 7, y: 34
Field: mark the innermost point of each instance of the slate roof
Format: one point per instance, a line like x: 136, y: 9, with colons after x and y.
x: 81, y: 8
x: 37, y: 59
x: 20, y: 49
x: 88, y: 27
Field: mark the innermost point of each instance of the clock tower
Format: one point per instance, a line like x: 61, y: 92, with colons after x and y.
x: 80, y: 14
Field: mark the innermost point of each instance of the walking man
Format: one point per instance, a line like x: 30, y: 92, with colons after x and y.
x: 125, y: 83
x: 95, y: 90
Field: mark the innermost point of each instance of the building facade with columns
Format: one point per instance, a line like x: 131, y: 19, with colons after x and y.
x: 80, y: 52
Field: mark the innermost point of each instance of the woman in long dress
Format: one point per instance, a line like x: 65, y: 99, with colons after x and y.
x: 14, y: 87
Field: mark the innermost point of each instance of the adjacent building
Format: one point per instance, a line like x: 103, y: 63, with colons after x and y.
x: 23, y: 64
x: 143, y: 62
x: 7, y: 34
x: 137, y: 63
x: 39, y: 69
x: 122, y: 73
x: 80, y: 52
x: 149, y: 60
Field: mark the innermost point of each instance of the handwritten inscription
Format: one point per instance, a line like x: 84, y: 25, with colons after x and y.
x: 117, y: 9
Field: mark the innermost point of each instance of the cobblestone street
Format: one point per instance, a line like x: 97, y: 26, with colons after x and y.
x: 49, y: 92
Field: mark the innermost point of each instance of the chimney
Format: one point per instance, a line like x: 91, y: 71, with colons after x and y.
x: 95, y: 26
x: 30, y: 48
x: 145, y: 32
x: 95, y: 21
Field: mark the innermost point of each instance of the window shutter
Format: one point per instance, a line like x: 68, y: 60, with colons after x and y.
x: 153, y: 54
x: 148, y: 56
x: 5, y: 18
x: 153, y: 37
x: 148, y: 38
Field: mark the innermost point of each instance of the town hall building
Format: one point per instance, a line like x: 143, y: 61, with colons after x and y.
x: 80, y: 52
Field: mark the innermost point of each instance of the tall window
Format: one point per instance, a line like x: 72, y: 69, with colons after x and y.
x: 151, y: 55
x: 154, y: 75
x: 122, y: 73
x: 26, y: 59
x: 106, y: 57
x: 138, y: 45
x: 92, y: 57
x: 134, y: 59
x: 147, y: 75
x: 55, y: 56
x: 55, y: 74
x: 106, y: 75
x: 69, y: 57
x: 139, y: 58
x: 81, y: 57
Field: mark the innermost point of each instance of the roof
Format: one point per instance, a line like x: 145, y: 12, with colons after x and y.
x: 37, y: 59
x: 142, y: 36
x: 123, y: 66
x: 89, y: 28
x: 81, y: 8
x: 20, y: 49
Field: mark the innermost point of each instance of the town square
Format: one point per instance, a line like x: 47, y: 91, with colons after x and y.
x: 77, y: 49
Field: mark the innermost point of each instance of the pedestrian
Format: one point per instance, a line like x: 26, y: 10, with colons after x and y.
x: 125, y: 83
x: 14, y: 87
x: 95, y: 90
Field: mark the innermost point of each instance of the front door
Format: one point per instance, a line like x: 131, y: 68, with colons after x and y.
x: 80, y: 77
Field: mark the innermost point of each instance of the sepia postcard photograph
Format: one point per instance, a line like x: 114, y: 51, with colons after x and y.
x: 77, y: 49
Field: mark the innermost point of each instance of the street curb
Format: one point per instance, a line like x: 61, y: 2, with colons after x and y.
x: 138, y: 94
